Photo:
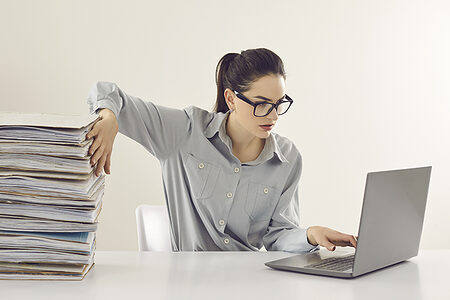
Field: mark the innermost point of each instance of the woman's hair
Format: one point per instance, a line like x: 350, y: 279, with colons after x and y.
x: 238, y: 71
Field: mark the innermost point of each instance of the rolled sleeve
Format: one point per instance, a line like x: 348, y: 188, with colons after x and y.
x: 284, y: 232
x: 161, y: 130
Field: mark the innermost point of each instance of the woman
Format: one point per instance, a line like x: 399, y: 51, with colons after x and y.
x: 229, y: 182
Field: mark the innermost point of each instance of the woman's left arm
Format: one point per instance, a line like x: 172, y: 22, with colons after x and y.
x: 284, y: 232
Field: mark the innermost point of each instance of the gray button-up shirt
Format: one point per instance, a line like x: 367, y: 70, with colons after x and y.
x: 214, y: 201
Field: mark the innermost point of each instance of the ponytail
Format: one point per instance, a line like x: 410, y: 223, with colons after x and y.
x: 221, y: 70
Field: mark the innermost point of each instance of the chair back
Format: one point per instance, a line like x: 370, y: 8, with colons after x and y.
x: 153, y: 228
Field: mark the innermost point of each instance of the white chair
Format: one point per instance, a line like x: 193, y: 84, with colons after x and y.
x: 153, y: 228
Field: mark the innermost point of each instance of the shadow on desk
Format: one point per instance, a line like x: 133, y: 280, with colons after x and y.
x: 398, y: 281
x: 403, y: 278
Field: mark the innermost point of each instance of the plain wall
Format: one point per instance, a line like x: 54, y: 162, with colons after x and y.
x: 370, y: 81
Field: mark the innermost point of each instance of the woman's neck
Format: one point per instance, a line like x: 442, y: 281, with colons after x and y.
x: 246, y: 146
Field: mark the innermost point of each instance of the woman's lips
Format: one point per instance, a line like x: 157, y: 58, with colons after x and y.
x: 266, y: 127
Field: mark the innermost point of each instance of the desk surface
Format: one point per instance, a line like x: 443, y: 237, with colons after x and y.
x: 235, y: 275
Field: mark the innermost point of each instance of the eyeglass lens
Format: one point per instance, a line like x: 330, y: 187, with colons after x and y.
x: 263, y: 108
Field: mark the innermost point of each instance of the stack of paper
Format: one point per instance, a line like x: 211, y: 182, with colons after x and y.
x: 50, y: 198
x: 28, y: 255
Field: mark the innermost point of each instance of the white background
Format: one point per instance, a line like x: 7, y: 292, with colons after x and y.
x: 370, y: 81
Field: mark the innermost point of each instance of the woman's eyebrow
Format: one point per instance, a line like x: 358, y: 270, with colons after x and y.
x: 267, y: 99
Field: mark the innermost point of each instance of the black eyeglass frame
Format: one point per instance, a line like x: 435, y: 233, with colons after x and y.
x: 274, y: 105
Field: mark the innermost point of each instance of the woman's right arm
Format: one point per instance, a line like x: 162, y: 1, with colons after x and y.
x: 159, y: 129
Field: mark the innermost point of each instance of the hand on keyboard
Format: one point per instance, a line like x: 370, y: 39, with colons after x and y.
x: 329, y: 238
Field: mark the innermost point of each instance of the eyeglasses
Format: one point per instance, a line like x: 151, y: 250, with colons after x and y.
x: 263, y: 108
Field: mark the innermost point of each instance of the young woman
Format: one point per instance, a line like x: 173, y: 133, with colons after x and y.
x: 230, y: 183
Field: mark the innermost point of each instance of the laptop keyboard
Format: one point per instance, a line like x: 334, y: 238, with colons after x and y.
x: 334, y: 263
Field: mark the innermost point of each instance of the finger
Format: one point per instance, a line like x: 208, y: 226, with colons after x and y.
x: 108, y: 164
x: 97, y: 142
x: 92, y: 132
x: 330, y: 246
x: 100, y: 165
x: 97, y: 155
x: 345, y: 240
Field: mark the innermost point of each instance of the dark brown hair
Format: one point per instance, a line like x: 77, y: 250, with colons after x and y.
x: 238, y: 71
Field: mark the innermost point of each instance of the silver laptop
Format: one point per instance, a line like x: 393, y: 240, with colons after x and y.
x: 389, y: 229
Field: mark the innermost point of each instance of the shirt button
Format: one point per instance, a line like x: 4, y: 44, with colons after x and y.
x: 226, y: 241
x: 221, y: 222
x: 229, y: 195
x: 201, y: 165
x: 236, y: 170
x: 266, y: 190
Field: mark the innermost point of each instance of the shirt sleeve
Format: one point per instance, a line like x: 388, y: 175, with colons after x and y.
x: 284, y: 232
x: 161, y: 130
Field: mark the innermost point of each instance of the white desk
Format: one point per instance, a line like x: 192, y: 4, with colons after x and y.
x: 235, y: 275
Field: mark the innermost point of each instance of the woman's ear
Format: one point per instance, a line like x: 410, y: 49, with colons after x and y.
x: 229, y: 98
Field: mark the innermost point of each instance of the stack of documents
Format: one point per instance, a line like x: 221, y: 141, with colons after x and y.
x: 50, y: 198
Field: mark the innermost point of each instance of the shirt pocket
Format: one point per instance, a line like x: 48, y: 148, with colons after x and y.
x: 261, y: 200
x: 202, y: 176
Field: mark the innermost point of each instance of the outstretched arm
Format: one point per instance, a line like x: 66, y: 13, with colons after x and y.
x: 161, y: 130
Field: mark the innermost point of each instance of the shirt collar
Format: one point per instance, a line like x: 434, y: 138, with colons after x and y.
x: 217, y: 125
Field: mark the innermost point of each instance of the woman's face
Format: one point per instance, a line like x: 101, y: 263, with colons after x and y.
x: 269, y: 88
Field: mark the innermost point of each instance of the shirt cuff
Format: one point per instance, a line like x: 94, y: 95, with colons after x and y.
x: 296, y: 241
x: 105, y: 103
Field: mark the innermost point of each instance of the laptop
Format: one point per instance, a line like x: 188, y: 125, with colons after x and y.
x: 390, y: 228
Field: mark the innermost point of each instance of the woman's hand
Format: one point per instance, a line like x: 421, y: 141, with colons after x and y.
x: 329, y: 238
x: 103, y: 132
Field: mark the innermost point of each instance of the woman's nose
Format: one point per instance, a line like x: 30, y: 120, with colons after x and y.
x: 273, y: 115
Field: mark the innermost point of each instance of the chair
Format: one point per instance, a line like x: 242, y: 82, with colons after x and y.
x: 153, y: 228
